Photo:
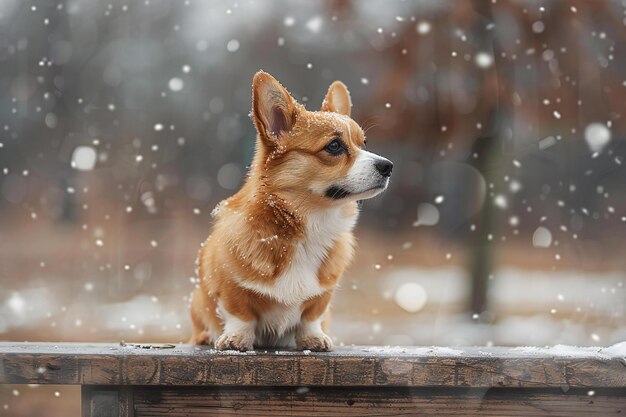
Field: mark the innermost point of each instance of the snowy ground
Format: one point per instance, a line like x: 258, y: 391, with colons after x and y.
x: 528, y: 308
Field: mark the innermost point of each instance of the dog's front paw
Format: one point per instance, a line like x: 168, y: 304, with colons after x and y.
x: 235, y: 341
x: 319, y: 342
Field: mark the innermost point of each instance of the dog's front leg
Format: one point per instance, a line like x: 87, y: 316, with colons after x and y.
x: 238, y: 333
x: 310, y: 335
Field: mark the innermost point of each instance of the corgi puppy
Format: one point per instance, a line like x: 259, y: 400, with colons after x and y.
x: 279, y: 246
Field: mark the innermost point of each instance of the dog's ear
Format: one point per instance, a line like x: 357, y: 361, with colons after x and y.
x: 273, y: 108
x: 337, y: 99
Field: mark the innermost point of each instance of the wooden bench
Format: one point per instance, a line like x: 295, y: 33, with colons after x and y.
x: 183, y: 380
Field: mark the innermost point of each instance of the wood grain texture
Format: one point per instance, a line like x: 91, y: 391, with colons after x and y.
x: 385, y: 401
x: 185, y: 365
x: 110, y: 401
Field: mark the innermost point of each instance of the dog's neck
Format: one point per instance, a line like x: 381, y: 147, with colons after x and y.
x: 278, y: 211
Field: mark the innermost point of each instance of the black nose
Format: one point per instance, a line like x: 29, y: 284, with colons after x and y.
x: 384, y: 167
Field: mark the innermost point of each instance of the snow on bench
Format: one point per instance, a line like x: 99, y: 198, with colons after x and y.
x: 149, y: 379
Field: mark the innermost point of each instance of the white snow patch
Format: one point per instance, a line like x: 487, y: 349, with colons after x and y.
x: 446, y: 351
x: 618, y: 349
x: 565, y: 351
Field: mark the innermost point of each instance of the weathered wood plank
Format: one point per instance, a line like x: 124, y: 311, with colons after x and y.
x: 107, y: 364
x: 110, y: 401
x: 384, y: 401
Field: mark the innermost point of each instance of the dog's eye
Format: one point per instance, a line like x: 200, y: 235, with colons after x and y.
x: 334, y: 147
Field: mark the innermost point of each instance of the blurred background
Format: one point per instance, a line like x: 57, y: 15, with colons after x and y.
x: 123, y: 123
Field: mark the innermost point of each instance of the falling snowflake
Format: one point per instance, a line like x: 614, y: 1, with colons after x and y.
x: 176, y: 84
x: 542, y: 237
x: 232, y: 45
x: 484, y: 60
x: 423, y: 27
x: 84, y: 158
x: 597, y: 136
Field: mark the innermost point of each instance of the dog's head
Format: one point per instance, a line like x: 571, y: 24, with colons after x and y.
x: 318, y: 153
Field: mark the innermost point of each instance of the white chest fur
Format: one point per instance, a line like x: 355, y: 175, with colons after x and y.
x: 299, y: 282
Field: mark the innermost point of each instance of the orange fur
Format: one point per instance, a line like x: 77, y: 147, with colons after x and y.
x: 266, y: 234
